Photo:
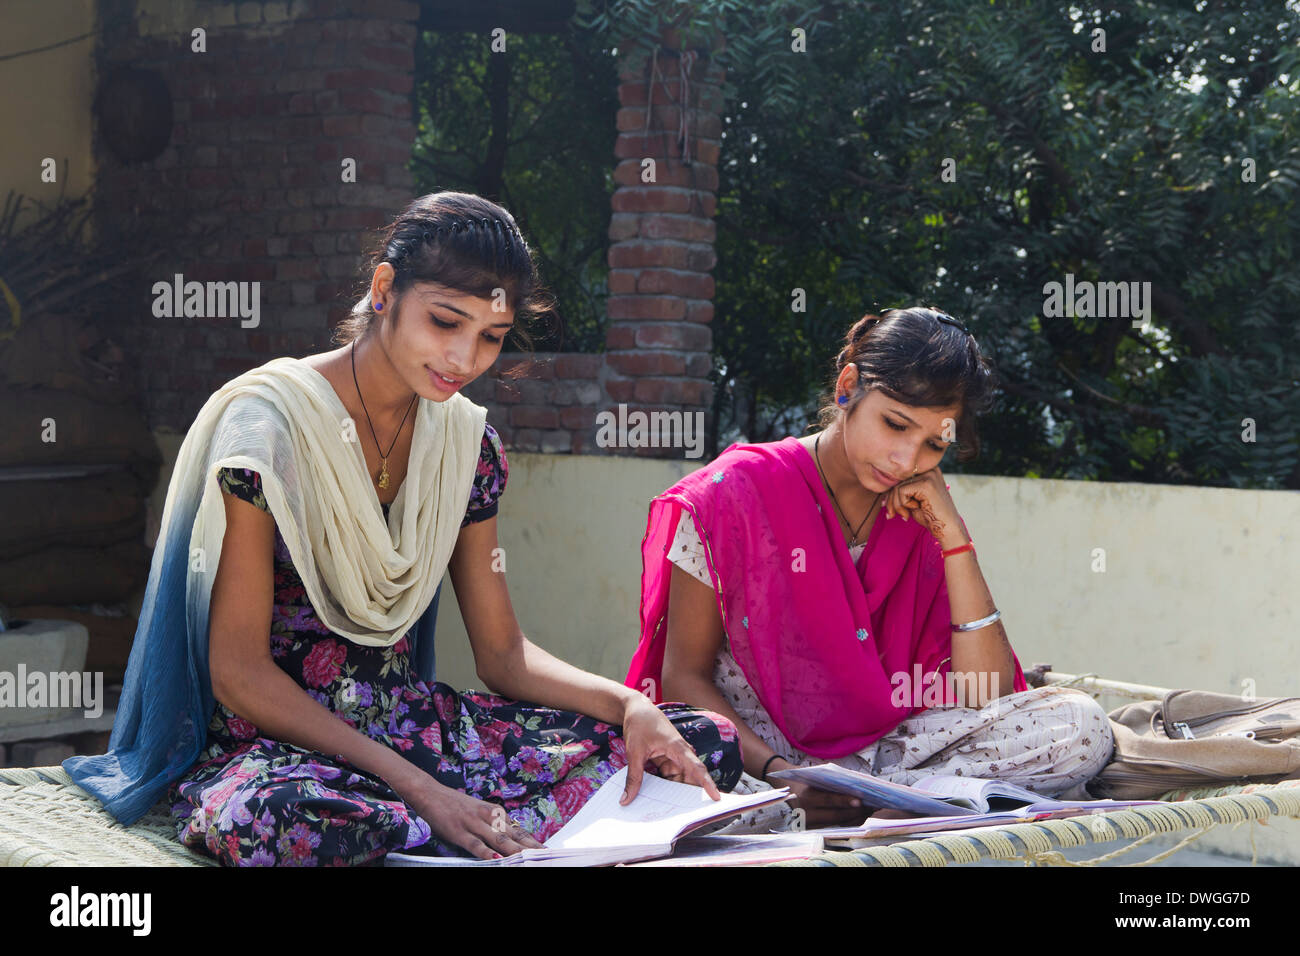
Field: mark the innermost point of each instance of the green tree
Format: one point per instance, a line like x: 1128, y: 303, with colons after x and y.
x: 530, y: 127
x: 1163, y: 150
x: 1122, y: 165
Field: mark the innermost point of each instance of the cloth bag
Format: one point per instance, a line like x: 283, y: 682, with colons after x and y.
x: 1197, y: 738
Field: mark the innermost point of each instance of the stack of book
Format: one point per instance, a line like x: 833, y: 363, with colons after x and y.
x: 939, y: 803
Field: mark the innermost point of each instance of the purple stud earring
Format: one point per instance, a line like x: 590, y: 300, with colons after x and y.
x: 379, y: 307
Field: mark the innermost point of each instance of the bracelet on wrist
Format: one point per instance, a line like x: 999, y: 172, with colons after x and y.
x: 976, y: 625
x: 968, y: 546
x: 763, y: 775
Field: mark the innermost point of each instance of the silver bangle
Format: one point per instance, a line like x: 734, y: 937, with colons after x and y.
x: 976, y: 625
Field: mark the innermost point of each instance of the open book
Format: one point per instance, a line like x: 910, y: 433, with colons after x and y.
x: 603, y: 832
x: 941, y: 801
x: 721, y: 849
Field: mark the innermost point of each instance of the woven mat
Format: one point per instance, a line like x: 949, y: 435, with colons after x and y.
x: 47, y: 820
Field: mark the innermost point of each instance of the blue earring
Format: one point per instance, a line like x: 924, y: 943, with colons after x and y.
x: 843, y: 399
x: 379, y: 307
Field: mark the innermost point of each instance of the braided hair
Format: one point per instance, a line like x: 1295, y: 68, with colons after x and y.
x: 921, y: 357
x: 459, y: 241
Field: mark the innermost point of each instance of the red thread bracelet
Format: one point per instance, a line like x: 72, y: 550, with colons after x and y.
x: 968, y: 546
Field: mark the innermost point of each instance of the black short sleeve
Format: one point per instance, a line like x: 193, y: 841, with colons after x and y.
x: 489, y: 478
x: 243, y: 483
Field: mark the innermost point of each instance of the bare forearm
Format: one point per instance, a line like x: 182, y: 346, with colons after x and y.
x: 535, y: 675
x: 269, y: 698
x: 987, y: 649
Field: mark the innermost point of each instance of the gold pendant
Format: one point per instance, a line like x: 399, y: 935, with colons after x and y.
x: 383, y: 473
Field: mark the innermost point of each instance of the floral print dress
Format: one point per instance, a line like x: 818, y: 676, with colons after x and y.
x: 250, y: 800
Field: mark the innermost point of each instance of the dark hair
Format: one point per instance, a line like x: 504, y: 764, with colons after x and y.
x: 463, y: 242
x: 921, y: 357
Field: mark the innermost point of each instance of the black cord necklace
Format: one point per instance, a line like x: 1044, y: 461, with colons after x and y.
x: 383, y: 458
x: 817, y: 456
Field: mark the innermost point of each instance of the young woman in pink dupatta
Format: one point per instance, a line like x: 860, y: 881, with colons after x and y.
x: 823, y: 592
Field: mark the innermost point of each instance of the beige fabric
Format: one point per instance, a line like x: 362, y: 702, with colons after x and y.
x: 1195, y: 738
x: 368, y: 579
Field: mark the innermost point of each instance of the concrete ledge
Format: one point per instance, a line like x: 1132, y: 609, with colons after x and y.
x: 38, y: 647
x: 59, y: 724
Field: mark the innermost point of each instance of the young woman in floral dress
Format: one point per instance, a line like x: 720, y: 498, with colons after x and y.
x: 322, y: 751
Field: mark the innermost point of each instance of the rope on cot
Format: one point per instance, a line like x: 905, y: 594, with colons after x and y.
x: 1039, y: 840
x: 1079, y: 679
x: 1056, y: 858
x: 1233, y: 808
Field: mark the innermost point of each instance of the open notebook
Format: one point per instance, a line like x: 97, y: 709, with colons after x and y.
x: 603, y: 833
x: 941, y: 801
x: 745, y: 849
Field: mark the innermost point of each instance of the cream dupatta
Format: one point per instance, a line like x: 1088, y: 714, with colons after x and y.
x: 369, y: 580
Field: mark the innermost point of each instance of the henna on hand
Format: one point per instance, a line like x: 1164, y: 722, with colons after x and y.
x: 935, y: 525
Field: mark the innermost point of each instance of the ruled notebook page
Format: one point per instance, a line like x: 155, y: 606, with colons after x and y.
x: 661, y: 810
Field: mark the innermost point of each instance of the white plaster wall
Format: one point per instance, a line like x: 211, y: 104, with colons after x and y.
x: 1200, y: 587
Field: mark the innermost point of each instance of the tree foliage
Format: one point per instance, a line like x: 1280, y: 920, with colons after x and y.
x: 530, y: 127
x: 1128, y: 162
x: 1122, y: 165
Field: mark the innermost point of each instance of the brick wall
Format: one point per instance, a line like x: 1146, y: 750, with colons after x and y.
x: 662, y: 232
x: 249, y: 189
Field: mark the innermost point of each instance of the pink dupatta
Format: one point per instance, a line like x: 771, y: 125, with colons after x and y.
x: 822, y: 642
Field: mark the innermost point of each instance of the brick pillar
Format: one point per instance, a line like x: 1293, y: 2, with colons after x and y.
x: 658, y: 342
x: 250, y: 187
x: 662, y: 231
